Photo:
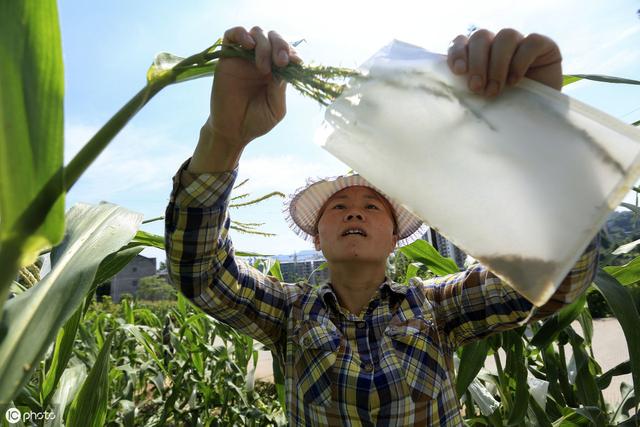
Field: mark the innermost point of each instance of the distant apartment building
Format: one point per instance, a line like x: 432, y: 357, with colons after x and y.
x: 295, y: 271
x: 126, y: 281
x: 445, y: 247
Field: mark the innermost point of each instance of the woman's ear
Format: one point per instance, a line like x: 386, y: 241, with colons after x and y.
x: 316, y: 242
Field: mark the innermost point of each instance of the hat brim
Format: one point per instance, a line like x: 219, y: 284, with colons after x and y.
x: 303, y: 207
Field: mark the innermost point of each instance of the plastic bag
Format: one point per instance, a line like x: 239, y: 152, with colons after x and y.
x: 522, y: 182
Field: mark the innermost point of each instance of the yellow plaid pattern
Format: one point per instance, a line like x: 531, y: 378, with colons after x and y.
x: 390, y: 365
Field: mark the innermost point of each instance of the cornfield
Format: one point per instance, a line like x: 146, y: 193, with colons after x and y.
x: 134, y: 364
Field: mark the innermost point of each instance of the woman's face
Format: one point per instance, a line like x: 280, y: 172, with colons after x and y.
x: 356, y: 224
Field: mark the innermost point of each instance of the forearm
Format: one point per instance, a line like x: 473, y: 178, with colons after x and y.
x: 214, y: 153
x: 202, y: 264
x: 475, y: 303
x: 575, y: 283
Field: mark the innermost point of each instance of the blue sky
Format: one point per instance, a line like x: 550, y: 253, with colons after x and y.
x: 108, y: 46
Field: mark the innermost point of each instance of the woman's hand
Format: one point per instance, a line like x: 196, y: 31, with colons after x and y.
x: 247, y: 101
x: 491, y: 62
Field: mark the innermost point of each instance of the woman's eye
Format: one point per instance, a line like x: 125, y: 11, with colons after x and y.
x: 338, y: 206
x: 372, y: 207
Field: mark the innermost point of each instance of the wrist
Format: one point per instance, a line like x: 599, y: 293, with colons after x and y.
x: 214, y: 152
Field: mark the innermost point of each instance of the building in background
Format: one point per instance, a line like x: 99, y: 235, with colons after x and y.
x: 303, y: 265
x: 126, y: 281
x: 445, y: 247
x: 296, y: 271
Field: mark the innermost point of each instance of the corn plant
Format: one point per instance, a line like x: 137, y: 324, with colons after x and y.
x: 536, y: 359
x: 58, y: 351
x: 33, y: 183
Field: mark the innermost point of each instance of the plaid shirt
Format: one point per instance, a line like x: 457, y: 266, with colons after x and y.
x: 390, y: 365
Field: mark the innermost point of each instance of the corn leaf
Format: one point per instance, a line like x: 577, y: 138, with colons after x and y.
x: 422, y: 251
x: 115, y: 262
x: 570, y: 78
x: 624, y: 309
x: 517, y: 368
x: 89, y: 408
x: 32, y: 319
x: 551, y: 327
x: 61, y: 354
x: 70, y: 382
x: 625, y: 274
x: 275, y: 271
x: 31, y: 134
x: 586, y: 388
x: 142, y: 238
x: 471, y: 361
x: 604, y: 380
x: 412, y: 271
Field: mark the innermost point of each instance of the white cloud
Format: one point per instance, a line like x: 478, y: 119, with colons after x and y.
x: 283, y: 173
x: 137, y: 160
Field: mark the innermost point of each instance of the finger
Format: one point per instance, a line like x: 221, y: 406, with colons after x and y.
x: 240, y: 36
x: 478, y: 47
x: 457, y: 55
x: 276, y: 94
x: 293, y: 55
x: 279, y: 49
x: 535, y: 50
x: 503, y: 48
x: 263, y: 50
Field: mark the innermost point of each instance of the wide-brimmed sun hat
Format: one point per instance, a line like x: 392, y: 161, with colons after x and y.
x: 303, y: 207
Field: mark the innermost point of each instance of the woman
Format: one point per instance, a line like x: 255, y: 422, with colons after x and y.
x: 359, y: 350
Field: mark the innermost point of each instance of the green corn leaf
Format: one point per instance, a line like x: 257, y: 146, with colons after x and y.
x: 275, y: 271
x: 61, y: 354
x: 586, y: 388
x: 148, y: 343
x: 542, y: 419
x: 422, y: 251
x: 604, y: 380
x: 471, y: 361
x: 556, y: 323
x: 70, y: 382
x: 251, y: 254
x: 586, y: 322
x: 623, y: 308
x: 31, y: 134
x: 32, y: 319
x: 142, y: 238
x: 570, y: 78
x: 517, y: 367
x: 412, y: 271
x: 127, y: 311
x: 115, y: 262
x: 627, y: 274
x: 278, y: 377
x: 89, y: 408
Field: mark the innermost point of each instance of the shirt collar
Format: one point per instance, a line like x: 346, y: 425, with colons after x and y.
x: 326, y: 293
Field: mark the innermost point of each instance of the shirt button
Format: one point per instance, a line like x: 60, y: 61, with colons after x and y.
x: 306, y: 342
x: 368, y: 367
x: 361, y: 325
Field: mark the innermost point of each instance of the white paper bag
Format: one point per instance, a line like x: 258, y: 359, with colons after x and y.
x: 522, y: 182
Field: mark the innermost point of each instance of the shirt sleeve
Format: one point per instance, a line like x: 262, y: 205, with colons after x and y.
x: 475, y: 303
x: 202, y: 265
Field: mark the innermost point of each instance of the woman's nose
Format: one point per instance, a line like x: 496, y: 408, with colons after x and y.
x: 353, y: 215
